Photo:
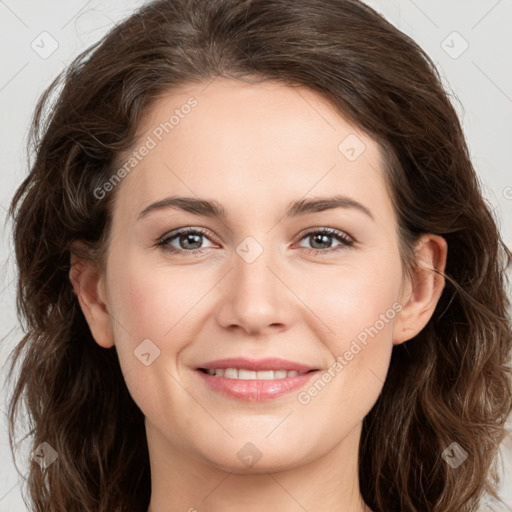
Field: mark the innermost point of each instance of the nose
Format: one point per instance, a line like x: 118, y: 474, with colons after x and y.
x: 255, y: 298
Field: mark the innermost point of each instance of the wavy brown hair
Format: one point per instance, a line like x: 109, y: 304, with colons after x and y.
x: 451, y: 383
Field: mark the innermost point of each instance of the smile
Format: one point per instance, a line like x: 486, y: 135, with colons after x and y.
x: 242, y: 374
x: 254, y: 380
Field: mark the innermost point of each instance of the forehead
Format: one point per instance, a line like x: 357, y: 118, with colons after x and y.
x: 248, y: 146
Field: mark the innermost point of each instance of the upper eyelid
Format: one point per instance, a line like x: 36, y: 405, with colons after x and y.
x: 326, y: 230
x: 188, y: 229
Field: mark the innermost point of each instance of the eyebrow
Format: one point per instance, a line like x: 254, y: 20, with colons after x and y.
x: 216, y: 210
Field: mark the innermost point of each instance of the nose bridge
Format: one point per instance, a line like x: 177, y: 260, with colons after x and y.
x: 254, y: 283
x: 252, y: 266
x: 255, y: 298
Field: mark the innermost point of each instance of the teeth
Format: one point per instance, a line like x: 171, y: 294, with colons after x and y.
x: 241, y: 374
x: 230, y: 373
x: 246, y: 374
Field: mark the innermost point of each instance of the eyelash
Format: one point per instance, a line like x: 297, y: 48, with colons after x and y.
x: 345, y: 241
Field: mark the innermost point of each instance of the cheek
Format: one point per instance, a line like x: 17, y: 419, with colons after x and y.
x: 152, y: 314
x: 359, y: 308
x: 355, y: 302
x: 149, y: 302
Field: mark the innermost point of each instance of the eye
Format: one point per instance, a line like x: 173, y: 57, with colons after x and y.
x: 188, y: 240
x: 321, y: 240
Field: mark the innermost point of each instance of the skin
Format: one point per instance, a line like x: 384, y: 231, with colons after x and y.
x: 254, y: 149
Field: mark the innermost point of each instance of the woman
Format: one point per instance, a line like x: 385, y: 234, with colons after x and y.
x: 191, y: 343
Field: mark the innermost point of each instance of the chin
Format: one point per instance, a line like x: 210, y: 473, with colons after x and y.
x: 258, y: 457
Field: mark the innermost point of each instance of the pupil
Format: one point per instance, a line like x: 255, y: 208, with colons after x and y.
x: 321, y: 238
x: 189, y: 237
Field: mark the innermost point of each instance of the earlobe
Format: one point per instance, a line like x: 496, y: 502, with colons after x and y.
x: 423, y: 290
x: 88, y: 285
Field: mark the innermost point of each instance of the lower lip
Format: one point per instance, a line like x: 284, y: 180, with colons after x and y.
x: 255, y: 390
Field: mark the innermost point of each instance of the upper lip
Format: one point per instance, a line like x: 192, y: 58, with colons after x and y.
x: 269, y: 363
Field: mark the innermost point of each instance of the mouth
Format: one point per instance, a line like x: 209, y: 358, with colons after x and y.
x: 254, y: 380
x: 244, y: 374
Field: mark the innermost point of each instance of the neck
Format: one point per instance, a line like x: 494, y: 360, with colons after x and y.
x: 182, y: 483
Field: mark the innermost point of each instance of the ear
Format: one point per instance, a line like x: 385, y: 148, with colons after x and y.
x: 88, y: 285
x: 422, y: 291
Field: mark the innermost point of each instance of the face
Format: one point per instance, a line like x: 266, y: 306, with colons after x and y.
x: 266, y: 331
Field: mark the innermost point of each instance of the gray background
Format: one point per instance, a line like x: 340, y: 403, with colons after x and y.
x: 469, y: 40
